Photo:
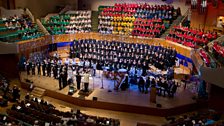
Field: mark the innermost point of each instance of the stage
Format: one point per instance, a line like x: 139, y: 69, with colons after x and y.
x: 130, y: 100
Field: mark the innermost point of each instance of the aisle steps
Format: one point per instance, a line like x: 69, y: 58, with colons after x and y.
x: 38, y: 92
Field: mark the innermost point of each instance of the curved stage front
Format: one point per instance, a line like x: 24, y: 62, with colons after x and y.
x: 130, y: 100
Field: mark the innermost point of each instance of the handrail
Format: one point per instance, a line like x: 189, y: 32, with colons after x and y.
x: 185, y: 16
x: 206, y: 26
x: 50, y: 15
x: 219, y: 39
x: 43, y: 29
x: 66, y: 8
x: 28, y: 12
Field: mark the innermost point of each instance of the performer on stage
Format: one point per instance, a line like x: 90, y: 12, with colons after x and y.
x: 43, y: 68
x: 86, y: 76
x: 94, y: 68
x: 28, y: 68
x: 141, y: 84
x: 78, y: 80
x: 49, y: 69
x: 60, y: 80
x: 33, y: 68
x: 55, y: 70
x: 38, y: 68
x: 64, y: 79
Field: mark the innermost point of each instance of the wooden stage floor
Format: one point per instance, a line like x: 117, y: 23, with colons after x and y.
x: 129, y: 97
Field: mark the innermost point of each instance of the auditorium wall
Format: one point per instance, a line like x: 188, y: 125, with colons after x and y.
x: 216, y: 98
x: 3, y: 3
x: 8, y: 65
x: 8, y: 4
x: 40, y: 8
x: 208, y: 19
x: 8, y: 48
x: 94, y: 4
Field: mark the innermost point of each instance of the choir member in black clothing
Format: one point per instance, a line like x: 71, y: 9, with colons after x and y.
x: 38, y: 68
x: 125, y: 85
x: 172, y: 88
x: 144, y: 68
x: 44, y: 68
x: 164, y: 88
x: 64, y: 79
x: 147, y: 84
x: 141, y: 84
x: 60, y: 80
x: 78, y: 80
x: 55, y: 71
x: 49, y: 69
x: 159, y: 83
x: 33, y: 69
x: 28, y: 69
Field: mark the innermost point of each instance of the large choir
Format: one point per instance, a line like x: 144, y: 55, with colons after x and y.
x: 120, y: 55
x: 134, y: 58
x: 69, y: 23
x: 90, y: 54
x: 120, y: 19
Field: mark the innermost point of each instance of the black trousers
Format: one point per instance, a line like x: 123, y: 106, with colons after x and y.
x: 49, y: 73
x: 60, y: 83
x: 78, y: 85
x: 38, y: 71
x: 86, y: 87
x: 33, y: 72
x: 44, y: 72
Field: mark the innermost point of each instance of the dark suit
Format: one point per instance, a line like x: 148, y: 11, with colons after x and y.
x: 78, y: 81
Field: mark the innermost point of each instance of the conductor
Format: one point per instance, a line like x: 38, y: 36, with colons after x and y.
x: 86, y: 76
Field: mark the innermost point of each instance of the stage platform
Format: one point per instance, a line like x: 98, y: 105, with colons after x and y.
x: 130, y: 100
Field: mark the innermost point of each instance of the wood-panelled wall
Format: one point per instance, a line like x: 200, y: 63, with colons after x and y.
x: 8, y: 4
x: 40, y: 8
x: 208, y: 20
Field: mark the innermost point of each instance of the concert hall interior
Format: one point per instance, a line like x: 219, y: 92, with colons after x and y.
x: 111, y: 62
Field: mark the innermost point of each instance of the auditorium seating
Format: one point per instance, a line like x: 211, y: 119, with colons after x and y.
x: 148, y: 28
x: 6, y: 120
x: 193, y: 38
x: 205, y: 57
x: 77, y: 22
x: 16, y: 29
x: 4, y: 89
x: 199, y: 118
x: 218, y: 51
x: 122, y: 17
x: 35, y: 111
x: 8, y: 93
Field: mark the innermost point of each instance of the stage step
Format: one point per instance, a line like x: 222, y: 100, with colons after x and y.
x: 95, y: 21
x: 38, y: 92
